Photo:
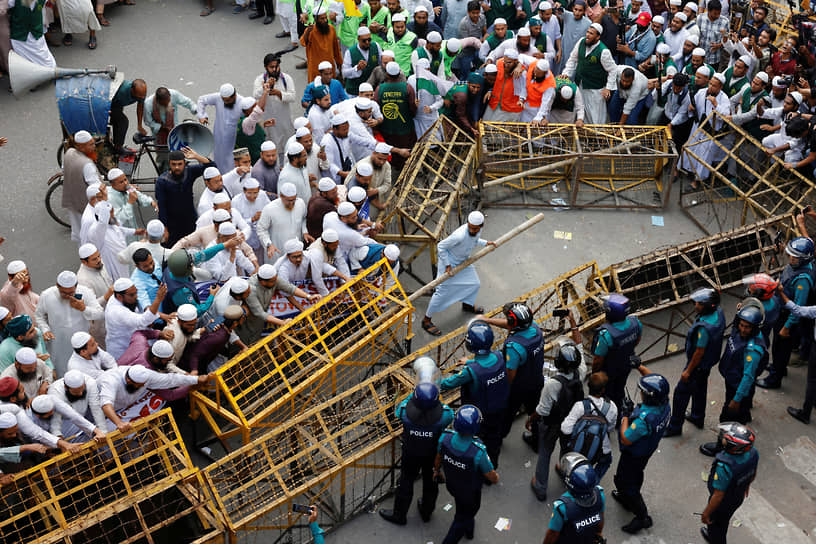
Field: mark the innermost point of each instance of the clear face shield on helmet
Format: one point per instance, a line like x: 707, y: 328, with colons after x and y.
x: 426, y: 371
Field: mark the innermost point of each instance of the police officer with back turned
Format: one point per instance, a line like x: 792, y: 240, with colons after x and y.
x: 465, y: 464
x: 423, y: 419
x: 703, y: 347
x: 578, y: 515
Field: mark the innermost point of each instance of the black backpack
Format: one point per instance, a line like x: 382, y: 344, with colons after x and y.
x: 589, y: 431
x: 572, y: 391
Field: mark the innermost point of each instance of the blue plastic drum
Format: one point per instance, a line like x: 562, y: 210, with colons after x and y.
x: 84, y: 103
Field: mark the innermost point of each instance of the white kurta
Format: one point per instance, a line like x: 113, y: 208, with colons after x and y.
x: 248, y: 210
x: 87, y: 407
x: 77, y: 16
x: 707, y: 150
x: 112, y: 386
x: 594, y: 103
x: 299, y: 177
x: 337, y: 149
x: 121, y: 323
x: 206, y: 219
x: 222, y: 269
x: 70, y: 422
x: 93, y: 367
x: 278, y: 109
x: 319, y: 264
x: 350, y: 239
x: 55, y: 315
x: 464, y: 286
x: 234, y: 182
x: 34, y: 50
x: 277, y: 225
x: 320, y: 120
x: 422, y: 120
x: 99, y: 281
x: 110, y: 240
x: 28, y: 428
x: 224, y: 127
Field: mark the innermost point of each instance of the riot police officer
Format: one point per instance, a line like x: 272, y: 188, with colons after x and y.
x: 803, y: 414
x: 423, y: 419
x: 703, y: 347
x: 464, y: 461
x: 614, y: 345
x: 640, y: 434
x: 797, y: 282
x: 484, y: 384
x: 729, y: 480
x: 764, y: 288
x: 578, y: 515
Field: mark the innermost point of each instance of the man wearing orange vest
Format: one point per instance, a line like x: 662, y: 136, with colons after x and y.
x: 540, y: 83
x: 505, y: 103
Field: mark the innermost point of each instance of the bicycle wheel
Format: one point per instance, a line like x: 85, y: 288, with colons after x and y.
x: 60, y: 152
x: 53, y: 201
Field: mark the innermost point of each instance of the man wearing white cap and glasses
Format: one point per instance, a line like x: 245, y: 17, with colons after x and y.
x: 360, y: 60
x: 249, y: 204
x: 464, y: 286
x: 282, y: 219
x: 64, y: 309
x: 326, y: 251
x: 156, y: 234
x: 81, y: 393
x: 227, y: 114
x: 294, y: 172
x: 33, y: 374
x: 592, y: 68
x: 344, y: 223
x: 92, y: 274
x: 110, y: 238
x: 214, y: 185
x: 125, y: 198
x: 88, y: 358
x: 123, y: 316
x: 231, y: 262
x: 17, y: 296
x: 60, y: 419
x: 296, y: 264
x: 337, y: 145
x: 79, y: 170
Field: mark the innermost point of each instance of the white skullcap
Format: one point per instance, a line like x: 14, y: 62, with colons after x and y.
x: 383, y: 148
x: 339, y: 119
x: 346, y: 208
x: 356, y: 194
x: 114, y: 173
x: 544, y: 5
x: 423, y: 63
x: 267, y: 272
x: 663, y: 49
x: 523, y: 32
x: 420, y: 9
x: 302, y: 121
x: 386, y: 53
x: 187, y: 312
x: 227, y: 229
x: 86, y: 250
x: 221, y: 198
x: 74, y: 378
x: 682, y: 16
x: 704, y: 71
x: 138, y: 374
x: 499, y: 21
x: 491, y: 69
x: 251, y: 183
x: 221, y: 215
x: 567, y: 92
x: 15, y: 266
x: 763, y: 76
x: 79, y: 339
x: 4, y: 312
x: 295, y: 148
x: 398, y: 18
x: 326, y: 184
x: 694, y: 38
x: 363, y: 31
x: 7, y: 420
x: 671, y: 71
x: 365, y: 169
x: 293, y: 246
x: 122, y: 284
x: 392, y: 68
x: 676, y: 3
x: 211, y: 172
x: 155, y: 228
x: 162, y: 349
x: 434, y: 37
x: 366, y: 87
x: 363, y: 103
x: 797, y: 96
x: 301, y: 132
x: 698, y: 52
x: 597, y: 27
x: 82, y: 137
x: 42, y: 404
x: 102, y: 209
x: 321, y: 10
x: 777, y: 82
x: 92, y: 190
x: 476, y: 218
x: 66, y: 279
x: 511, y: 53
x: 720, y: 77
x: 25, y: 356
x: 325, y: 65
x: 391, y: 252
x: 247, y: 102
x: 226, y: 90
x: 268, y: 146
x: 238, y: 285
x: 288, y: 189
x: 543, y: 65
x: 746, y: 60
x: 454, y: 45
x: 658, y: 19
x: 692, y: 6
x: 329, y: 236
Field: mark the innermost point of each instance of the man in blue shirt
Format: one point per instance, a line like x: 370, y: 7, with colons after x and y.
x: 129, y: 92
x: 145, y: 277
x: 336, y: 90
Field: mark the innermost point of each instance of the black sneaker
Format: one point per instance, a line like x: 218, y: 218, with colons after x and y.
x: 673, y: 432
x: 798, y: 414
x: 704, y: 533
x: 426, y: 516
x: 636, y: 525
x: 255, y: 15
x: 766, y: 383
x: 389, y: 515
x: 696, y: 422
x: 530, y: 439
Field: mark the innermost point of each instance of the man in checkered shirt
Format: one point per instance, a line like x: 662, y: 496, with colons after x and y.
x: 712, y: 28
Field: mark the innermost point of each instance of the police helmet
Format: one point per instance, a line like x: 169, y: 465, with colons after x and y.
x: 708, y: 297
x: 519, y: 316
x: 468, y: 419
x: 568, y: 358
x: 426, y: 395
x: 479, y: 338
x: 654, y: 388
x: 801, y: 248
x: 751, y: 315
x: 761, y: 286
x: 616, y: 307
x: 581, y: 480
x: 180, y: 263
x: 736, y: 437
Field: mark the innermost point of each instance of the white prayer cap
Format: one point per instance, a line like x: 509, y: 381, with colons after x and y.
x: 543, y: 65
x: 777, y: 82
x: 288, y: 189
x: 491, y: 69
x: 398, y: 18
x: 15, y: 266
x: 746, y: 60
x: 325, y: 65
x: 392, y: 68
x: 4, y: 312
x: 423, y: 63
x: 82, y: 137
x: 74, y: 378
x: 356, y: 194
x: 326, y: 184
x: 454, y: 45
x: 523, y: 32
x: 226, y: 90
x: 211, y: 172
x: 366, y: 87
x: 321, y: 10
x: 220, y: 198
x: 434, y: 37
x: 7, y: 420
x: 115, y: 173
x: 391, y: 252
x: 187, y: 312
x: 567, y: 92
x: 420, y: 9
x: 102, y: 209
x: 663, y: 49
x: 363, y: 31
x: 476, y: 218
x: 293, y: 246
x: 597, y: 27
x: 659, y: 19
x: 26, y: 356
x: 329, y: 236
x: 703, y: 70
x: 138, y: 374
x: 295, y: 148
x: 693, y: 38
x: 682, y: 16
x: 301, y: 132
x: 383, y: 148
x: 363, y: 103
x: 92, y: 190
x: 763, y: 76
x: 251, y: 183
x: 247, y: 102
x: 346, y: 208
x: 797, y: 96
x: 66, y: 279
x: 302, y: 121
x: 676, y: 3
x: 720, y: 77
x: 267, y: 272
x: 122, y: 284
x: 268, y: 146
x: 86, y: 250
x: 671, y: 71
x: 79, y: 339
x: 155, y: 228
x: 42, y: 404
x: 365, y: 169
x: 511, y: 53
x: 544, y: 5
x: 387, y: 53
x: 499, y: 21
x: 692, y: 6
x: 227, y: 229
x: 221, y: 215
x: 162, y: 349
x: 698, y: 52
x: 339, y: 119
x: 238, y: 285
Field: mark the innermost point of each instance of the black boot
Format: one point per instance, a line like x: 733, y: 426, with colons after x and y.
x: 710, y: 449
x: 798, y: 414
x: 424, y: 513
x: 636, y: 525
x: 393, y: 517
x: 531, y: 440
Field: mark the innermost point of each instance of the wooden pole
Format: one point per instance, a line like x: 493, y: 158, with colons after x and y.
x: 478, y: 255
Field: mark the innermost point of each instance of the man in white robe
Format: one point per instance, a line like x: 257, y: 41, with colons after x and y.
x: 326, y: 251
x: 227, y: 115
x: 295, y: 172
x: 92, y: 274
x: 296, y: 264
x: 88, y: 357
x: 28, y: 32
x: 281, y: 94
x: 706, y: 101
x: 81, y: 392
x: 123, y: 316
x: 586, y: 73
x: 282, y: 219
x: 78, y: 17
x: 110, y: 238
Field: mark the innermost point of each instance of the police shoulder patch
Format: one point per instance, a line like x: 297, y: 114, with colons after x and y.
x: 749, y: 358
x: 633, y: 426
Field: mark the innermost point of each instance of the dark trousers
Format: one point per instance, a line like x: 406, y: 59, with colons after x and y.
x: 527, y: 398
x: 743, y: 414
x: 265, y: 7
x: 490, y: 432
x: 696, y: 390
x: 119, y: 123
x: 547, y: 436
x: 781, y: 350
x: 680, y: 133
x: 411, y: 467
x: 629, y: 480
x: 720, y: 521
x: 467, y: 505
x: 810, y: 390
x: 616, y: 388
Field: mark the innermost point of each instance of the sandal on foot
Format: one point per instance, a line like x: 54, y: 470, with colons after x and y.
x: 68, y: 40
x: 92, y: 43
x: 431, y: 329
x: 206, y: 11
